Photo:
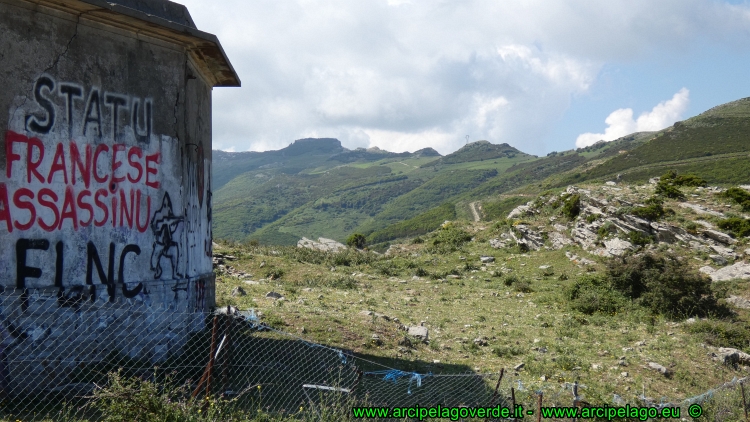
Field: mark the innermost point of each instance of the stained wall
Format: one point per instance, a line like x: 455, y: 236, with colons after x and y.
x: 105, y: 190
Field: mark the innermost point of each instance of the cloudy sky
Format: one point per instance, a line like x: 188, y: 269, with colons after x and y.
x: 541, y: 75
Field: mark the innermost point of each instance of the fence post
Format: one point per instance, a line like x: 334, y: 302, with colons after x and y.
x: 744, y: 403
x: 539, y: 407
x: 513, y: 401
x: 494, y: 395
x: 206, y: 377
x: 575, y: 397
x: 497, y: 386
x: 228, y: 353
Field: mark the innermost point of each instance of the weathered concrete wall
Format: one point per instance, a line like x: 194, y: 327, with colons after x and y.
x: 105, y: 191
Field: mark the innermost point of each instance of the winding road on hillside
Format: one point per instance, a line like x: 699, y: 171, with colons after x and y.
x: 473, y: 207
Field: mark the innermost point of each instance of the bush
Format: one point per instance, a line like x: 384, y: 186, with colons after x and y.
x: 639, y: 239
x: 722, y: 333
x: 508, y: 351
x: 740, y: 196
x: 653, y: 211
x: 356, y: 240
x: 522, y: 286
x: 510, y: 280
x: 591, y: 295
x: 739, y: 227
x: 449, y: 239
x: 665, y: 286
x: 683, y: 180
x: 572, y: 206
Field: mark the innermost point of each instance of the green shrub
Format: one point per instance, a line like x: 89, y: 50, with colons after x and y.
x: 508, y: 351
x: 421, y: 272
x: 510, y: 280
x: 664, y: 285
x: 592, y: 294
x: 274, y: 273
x: 683, y: 180
x: 740, y: 196
x: 522, y: 286
x: 356, y: 240
x: 639, y: 239
x: 722, y: 333
x: 591, y: 218
x: 572, y: 206
x: 667, y: 186
x: 653, y: 211
x: 739, y: 227
x: 449, y: 239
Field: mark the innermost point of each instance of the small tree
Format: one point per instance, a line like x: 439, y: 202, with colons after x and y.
x: 356, y: 240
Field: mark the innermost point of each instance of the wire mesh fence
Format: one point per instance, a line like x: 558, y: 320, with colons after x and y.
x: 55, y: 366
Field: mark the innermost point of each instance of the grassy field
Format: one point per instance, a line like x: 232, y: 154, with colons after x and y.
x: 488, y: 316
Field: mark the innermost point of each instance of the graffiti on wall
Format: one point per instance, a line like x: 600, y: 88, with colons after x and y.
x: 92, y: 197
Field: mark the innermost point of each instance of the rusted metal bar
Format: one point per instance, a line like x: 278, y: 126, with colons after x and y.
x: 228, y: 353
x: 539, y: 407
x: 497, y: 386
x: 744, y: 403
x: 206, y: 377
x: 212, y: 358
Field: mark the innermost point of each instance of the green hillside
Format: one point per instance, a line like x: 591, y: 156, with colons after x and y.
x: 315, y: 187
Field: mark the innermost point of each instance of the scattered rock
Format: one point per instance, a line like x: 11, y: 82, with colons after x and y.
x: 376, y: 340
x: 700, y: 209
x: 624, y: 374
x: 405, y: 341
x: 733, y: 357
x: 660, y: 369
x: 323, y: 244
x: 719, y: 237
x: 739, y: 270
x: 519, y: 366
x: 499, y: 243
x: 739, y: 302
x: 366, y: 313
x: 238, y: 291
x: 274, y: 295
x: 418, y: 332
x: 616, y: 247
x: 719, y: 260
x: 487, y: 259
x: 520, y: 211
x: 527, y: 238
x: 480, y: 341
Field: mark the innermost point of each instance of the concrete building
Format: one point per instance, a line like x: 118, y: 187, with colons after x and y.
x: 105, y: 182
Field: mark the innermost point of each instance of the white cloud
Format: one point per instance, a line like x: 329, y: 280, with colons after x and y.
x: 398, y: 72
x: 620, y: 122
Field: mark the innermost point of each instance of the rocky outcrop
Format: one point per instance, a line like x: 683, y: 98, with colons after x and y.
x: 323, y: 244
x: 615, y: 247
x: 739, y: 270
x: 521, y: 211
x: 527, y: 238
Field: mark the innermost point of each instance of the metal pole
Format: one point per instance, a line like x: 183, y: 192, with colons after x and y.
x: 744, y: 403
x: 539, y: 407
x: 212, y: 358
x: 513, y: 401
x: 497, y: 386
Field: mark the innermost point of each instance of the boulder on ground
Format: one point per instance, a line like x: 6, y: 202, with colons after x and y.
x: 418, y: 332
x: 739, y: 270
x: 323, y: 244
